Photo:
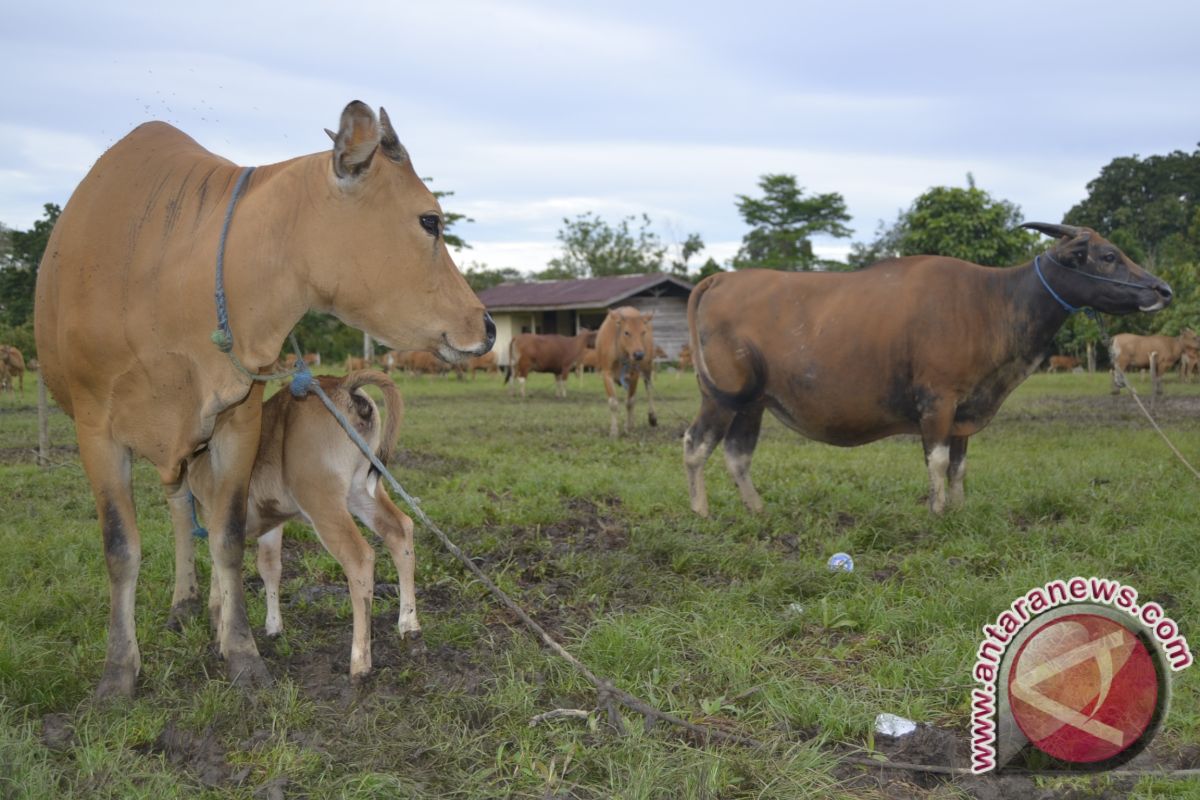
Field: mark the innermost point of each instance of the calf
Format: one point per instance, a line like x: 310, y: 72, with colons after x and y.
x: 625, y: 349
x: 308, y: 468
x: 924, y: 345
x: 1062, y: 363
x: 550, y: 352
x: 12, y: 363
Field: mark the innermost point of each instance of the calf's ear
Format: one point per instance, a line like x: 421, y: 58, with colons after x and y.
x: 356, y: 141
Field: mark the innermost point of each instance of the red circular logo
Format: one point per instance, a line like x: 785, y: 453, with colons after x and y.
x: 1083, y: 688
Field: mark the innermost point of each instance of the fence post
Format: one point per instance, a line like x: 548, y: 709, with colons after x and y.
x: 1091, y: 357
x: 43, y: 423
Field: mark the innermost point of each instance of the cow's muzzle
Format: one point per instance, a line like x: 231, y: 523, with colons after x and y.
x: 638, y: 355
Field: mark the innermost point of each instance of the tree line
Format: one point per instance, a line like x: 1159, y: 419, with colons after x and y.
x: 1149, y: 207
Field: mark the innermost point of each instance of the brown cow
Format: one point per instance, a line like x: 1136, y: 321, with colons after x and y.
x: 12, y: 363
x: 925, y: 344
x: 312, y: 359
x: 545, y: 352
x: 423, y: 363
x: 1189, y: 365
x: 308, y: 468
x: 485, y: 362
x: 685, y: 358
x: 355, y: 364
x: 1062, y: 363
x: 624, y: 345
x: 354, y: 232
x: 1130, y: 351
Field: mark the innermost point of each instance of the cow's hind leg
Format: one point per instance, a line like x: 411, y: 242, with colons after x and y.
x: 699, y: 441
x: 109, y: 468
x: 740, y: 441
x: 957, y: 470
x: 337, y: 531
x: 935, y: 438
x: 395, y: 527
x: 185, y: 601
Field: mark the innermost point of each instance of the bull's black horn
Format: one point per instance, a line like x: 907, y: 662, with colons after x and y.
x: 1062, y: 231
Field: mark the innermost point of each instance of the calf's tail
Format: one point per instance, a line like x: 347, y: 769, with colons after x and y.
x: 393, y: 404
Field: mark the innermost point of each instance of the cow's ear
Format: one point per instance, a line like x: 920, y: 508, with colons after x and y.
x: 612, y: 312
x: 649, y: 316
x: 356, y: 141
x: 1074, y: 252
x: 389, y: 142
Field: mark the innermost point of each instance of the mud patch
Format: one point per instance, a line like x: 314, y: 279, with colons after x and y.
x: 199, y: 755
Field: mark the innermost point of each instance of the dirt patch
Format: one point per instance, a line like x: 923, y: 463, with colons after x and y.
x: 10, y: 456
x: 430, y: 463
x: 200, y: 755
x: 1105, y: 410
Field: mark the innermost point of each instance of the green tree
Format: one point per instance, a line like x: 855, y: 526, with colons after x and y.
x: 480, y: 276
x: 690, y: 246
x: 18, y: 270
x: 592, y: 248
x: 966, y: 223
x: 1150, y: 207
x: 783, y: 222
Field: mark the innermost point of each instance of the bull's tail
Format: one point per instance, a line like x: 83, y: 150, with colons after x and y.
x: 393, y: 404
x: 707, y: 385
x: 514, y: 353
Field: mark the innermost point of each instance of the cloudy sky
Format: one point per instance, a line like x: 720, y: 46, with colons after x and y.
x: 535, y: 111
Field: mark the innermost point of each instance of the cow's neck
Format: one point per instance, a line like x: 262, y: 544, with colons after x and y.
x: 1035, y: 316
x: 265, y: 291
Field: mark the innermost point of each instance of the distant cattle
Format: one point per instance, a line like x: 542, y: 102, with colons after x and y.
x: 624, y: 350
x: 423, y: 363
x: 312, y: 359
x: 1130, y: 351
x: 124, y: 317
x: 12, y: 365
x: 685, y: 357
x: 1189, y: 365
x: 924, y: 345
x: 545, y: 352
x: 1062, y: 363
x: 307, y: 468
x: 355, y: 363
x: 485, y: 362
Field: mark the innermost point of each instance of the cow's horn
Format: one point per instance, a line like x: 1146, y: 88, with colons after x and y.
x: 1062, y: 231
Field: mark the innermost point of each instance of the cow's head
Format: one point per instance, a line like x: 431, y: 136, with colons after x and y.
x: 1189, y: 339
x: 1086, y: 269
x: 375, y: 234
x: 635, y: 334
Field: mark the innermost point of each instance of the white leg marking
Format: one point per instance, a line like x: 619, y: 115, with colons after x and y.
x: 939, y: 462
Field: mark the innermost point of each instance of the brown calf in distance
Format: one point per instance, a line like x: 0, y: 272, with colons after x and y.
x: 308, y: 468
x: 12, y: 363
x: 545, y: 352
x: 1130, y: 351
x: 485, y: 362
x: 1062, y: 363
x: 351, y: 231
x: 625, y: 349
x: 924, y: 345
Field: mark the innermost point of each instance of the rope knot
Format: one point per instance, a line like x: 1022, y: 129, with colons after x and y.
x: 302, y: 381
x: 223, y: 340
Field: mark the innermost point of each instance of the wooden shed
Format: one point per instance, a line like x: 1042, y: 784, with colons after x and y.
x: 565, y: 307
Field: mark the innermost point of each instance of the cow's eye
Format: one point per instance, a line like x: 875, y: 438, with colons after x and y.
x: 1110, y: 257
x: 432, y: 224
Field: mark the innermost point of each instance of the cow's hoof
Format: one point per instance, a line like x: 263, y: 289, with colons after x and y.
x: 414, y: 642
x: 248, y: 671
x: 653, y: 421
x: 183, y: 613
x: 117, y: 683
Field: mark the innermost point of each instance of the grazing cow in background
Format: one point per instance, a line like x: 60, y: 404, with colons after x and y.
x: 924, y: 345
x: 685, y: 357
x: 1130, y: 351
x: 351, y: 231
x: 12, y: 363
x: 424, y: 363
x: 308, y: 468
x: 355, y: 363
x: 1062, y: 363
x: 624, y: 346
x: 545, y: 352
x: 312, y: 359
x: 586, y: 363
x: 1189, y: 365
x: 485, y: 362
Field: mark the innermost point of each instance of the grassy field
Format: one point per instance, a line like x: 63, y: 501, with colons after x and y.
x: 735, y: 621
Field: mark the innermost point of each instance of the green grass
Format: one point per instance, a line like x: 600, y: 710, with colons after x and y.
x: 594, y: 537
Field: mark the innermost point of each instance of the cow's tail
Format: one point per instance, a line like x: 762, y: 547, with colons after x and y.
x: 393, y: 404
x: 514, y: 353
x: 753, y: 356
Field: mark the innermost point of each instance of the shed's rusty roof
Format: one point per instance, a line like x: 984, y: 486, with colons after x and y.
x: 581, y: 293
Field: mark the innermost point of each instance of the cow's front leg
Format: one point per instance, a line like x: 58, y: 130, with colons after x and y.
x: 613, y: 404
x: 629, y: 399
x: 653, y: 418
x: 935, y: 438
x: 233, y: 446
x: 958, y: 470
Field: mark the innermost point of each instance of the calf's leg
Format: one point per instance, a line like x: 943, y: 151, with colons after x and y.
x: 652, y: 418
x: 270, y: 568
x: 613, y: 403
x: 395, y: 527
x: 337, y: 531
x: 185, y: 601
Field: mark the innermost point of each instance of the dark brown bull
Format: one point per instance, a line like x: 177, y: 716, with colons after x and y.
x: 546, y: 352
x: 624, y: 350
x: 923, y: 345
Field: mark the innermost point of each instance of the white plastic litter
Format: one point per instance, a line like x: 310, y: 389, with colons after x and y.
x: 795, y: 609
x: 841, y: 562
x: 891, y: 725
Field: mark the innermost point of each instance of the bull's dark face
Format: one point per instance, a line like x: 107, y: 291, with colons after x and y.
x: 1088, y: 270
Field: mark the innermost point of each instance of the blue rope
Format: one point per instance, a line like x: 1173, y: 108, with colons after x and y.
x: 198, y: 530
x: 223, y: 336
x: 1037, y: 268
